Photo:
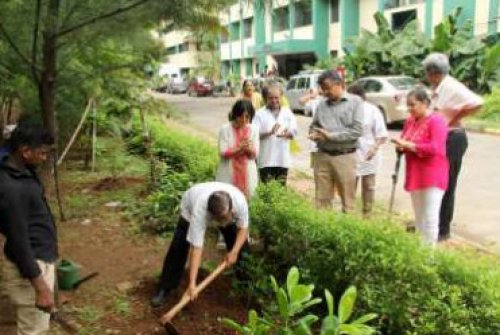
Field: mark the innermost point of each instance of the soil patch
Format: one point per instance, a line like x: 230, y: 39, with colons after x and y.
x: 114, y: 183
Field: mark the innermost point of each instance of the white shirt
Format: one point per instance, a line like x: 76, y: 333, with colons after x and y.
x: 373, y: 128
x: 451, y: 94
x: 275, y: 151
x: 194, y: 209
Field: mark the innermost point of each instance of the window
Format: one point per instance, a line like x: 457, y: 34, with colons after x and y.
x: 235, y: 32
x: 171, y: 50
x: 401, y: 19
x: 389, y: 4
x: 301, y: 84
x: 291, y: 84
x: 372, y: 86
x: 247, y: 28
x: 334, y: 11
x: 303, y: 13
x: 281, y: 19
x: 403, y: 83
x: 184, y: 47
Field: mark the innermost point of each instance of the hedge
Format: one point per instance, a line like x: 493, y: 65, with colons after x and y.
x: 186, y: 160
x: 414, y: 289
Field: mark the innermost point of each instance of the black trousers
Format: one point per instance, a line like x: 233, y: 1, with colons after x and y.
x: 175, y: 260
x: 456, y: 145
x: 273, y: 173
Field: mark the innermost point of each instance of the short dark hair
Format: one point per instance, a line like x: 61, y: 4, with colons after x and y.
x: 332, y: 75
x: 239, y: 108
x: 246, y: 81
x: 31, y: 135
x: 358, y: 90
x: 219, y: 202
x: 420, y: 94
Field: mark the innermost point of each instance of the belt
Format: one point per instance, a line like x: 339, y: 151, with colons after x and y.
x: 339, y: 152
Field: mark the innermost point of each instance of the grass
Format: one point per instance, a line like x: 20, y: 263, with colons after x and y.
x: 89, y: 314
x: 121, y: 305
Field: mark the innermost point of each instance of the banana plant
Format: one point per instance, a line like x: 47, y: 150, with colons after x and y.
x: 288, y: 314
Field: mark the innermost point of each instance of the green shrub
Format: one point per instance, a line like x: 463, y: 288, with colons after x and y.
x: 184, y: 160
x: 414, y: 290
x: 491, y: 108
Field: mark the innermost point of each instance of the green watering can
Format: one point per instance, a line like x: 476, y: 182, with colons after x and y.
x: 68, y: 275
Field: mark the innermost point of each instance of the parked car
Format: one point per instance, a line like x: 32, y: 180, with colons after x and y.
x: 299, y: 85
x: 389, y: 94
x: 177, y: 85
x: 200, y: 86
x: 221, y: 89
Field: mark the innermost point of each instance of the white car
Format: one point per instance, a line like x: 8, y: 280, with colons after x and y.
x: 299, y: 85
x: 389, y: 94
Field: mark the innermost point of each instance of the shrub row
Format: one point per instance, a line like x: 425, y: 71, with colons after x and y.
x: 185, y: 160
x: 415, y: 290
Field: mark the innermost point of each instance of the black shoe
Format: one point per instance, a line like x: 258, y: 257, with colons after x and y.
x: 159, y: 299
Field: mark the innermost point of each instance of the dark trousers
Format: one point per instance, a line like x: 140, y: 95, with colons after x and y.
x: 456, y: 145
x: 175, y: 260
x: 273, y: 173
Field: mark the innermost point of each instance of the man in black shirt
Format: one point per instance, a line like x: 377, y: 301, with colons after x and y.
x: 27, y: 223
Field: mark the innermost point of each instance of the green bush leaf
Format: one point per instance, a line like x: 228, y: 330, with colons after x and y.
x: 292, y: 279
x: 346, y: 304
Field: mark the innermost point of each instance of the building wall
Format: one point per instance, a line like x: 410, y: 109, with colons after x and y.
x: 494, y: 17
x: 324, y: 37
x: 481, y: 18
x: 185, y: 60
x: 367, y: 9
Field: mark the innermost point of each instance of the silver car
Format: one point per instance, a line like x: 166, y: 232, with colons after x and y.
x: 389, y: 94
x: 299, y: 85
x: 177, y: 85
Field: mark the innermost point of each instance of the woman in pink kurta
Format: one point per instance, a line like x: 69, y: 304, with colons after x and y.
x: 423, y: 142
x: 238, y: 148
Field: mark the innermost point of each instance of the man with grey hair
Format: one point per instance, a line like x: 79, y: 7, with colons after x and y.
x: 277, y: 127
x: 336, y: 128
x: 454, y: 101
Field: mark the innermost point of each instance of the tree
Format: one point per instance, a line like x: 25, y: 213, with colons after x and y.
x: 40, y: 39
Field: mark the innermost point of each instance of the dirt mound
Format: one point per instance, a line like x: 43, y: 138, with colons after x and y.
x: 114, y: 183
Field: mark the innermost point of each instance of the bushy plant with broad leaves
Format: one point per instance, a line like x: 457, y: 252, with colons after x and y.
x: 289, y: 313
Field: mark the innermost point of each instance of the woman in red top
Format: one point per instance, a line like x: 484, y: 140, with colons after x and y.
x: 423, y: 142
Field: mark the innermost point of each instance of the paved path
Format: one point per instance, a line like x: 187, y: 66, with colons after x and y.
x: 477, y: 214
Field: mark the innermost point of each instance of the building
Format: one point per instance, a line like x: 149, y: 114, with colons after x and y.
x: 182, y: 50
x: 286, y: 34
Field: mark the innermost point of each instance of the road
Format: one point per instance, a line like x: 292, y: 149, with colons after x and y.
x: 477, y: 217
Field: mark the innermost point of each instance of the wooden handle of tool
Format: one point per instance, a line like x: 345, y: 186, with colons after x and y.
x: 167, y: 317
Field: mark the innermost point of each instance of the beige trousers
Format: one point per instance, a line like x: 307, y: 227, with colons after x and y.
x: 30, y: 320
x: 335, y: 172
